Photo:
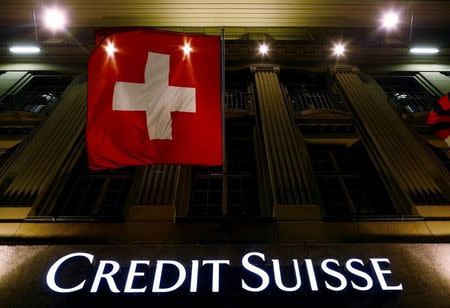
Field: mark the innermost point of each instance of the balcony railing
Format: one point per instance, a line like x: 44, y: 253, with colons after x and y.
x: 302, y: 100
x: 237, y: 101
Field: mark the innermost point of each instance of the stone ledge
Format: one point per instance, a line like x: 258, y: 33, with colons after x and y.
x: 296, y: 212
x: 433, y: 211
x: 151, y: 213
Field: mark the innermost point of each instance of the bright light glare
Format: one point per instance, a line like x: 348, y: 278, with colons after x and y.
x: 110, y: 49
x: 424, y: 50
x: 263, y: 49
x: 55, y: 19
x: 186, y: 49
x: 390, y: 20
x: 24, y: 50
x: 338, y: 49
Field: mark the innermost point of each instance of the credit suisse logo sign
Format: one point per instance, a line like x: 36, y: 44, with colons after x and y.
x: 255, y: 273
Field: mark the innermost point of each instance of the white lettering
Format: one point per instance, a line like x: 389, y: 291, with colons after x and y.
x: 255, y: 270
x: 158, y: 273
x: 107, y: 276
x: 133, y: 273
x: 311, y: 275
x: 194, y: 276
x: 171, y: 275
x: 333, y: 273
x: 279, y: 281
x: 216, y: 272
x: 52, y: 273
x: 380, y: 274
x: 357, y: 272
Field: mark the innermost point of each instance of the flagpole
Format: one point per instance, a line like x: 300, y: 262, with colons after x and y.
x: 224, y: 156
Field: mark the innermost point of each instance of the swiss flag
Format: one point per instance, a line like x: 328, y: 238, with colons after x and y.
x: 439, y: 118
x: 154, y: 97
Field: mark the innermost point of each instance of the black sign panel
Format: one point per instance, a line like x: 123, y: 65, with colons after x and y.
x: 226, y: 275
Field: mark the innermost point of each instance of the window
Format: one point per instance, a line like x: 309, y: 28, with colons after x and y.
x: 242, y: 191
x: 406, y: 93
x: 304, y: 97
x: 207, y: 183
x: 414, y: 101
x: 316, y: 105
x: 349, y: 184
x: 242, y: 182
x: 309, y: 91
x: 238, y: 101
x: 38, y: 95
x: 25, y: 106
x: 88, y: 195
x: 206, y: 192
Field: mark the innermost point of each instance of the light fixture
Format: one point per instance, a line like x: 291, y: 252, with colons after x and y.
x: 25, y: 49
x: 390, y: 20
x: 338, y: 49
x: 110, y: 48
x: 263, y: 49
x: 424, y: 50
x: 54, y: 18
x: 186, y: 49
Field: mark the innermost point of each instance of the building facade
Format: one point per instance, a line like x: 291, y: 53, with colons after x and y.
x: 327, y: 158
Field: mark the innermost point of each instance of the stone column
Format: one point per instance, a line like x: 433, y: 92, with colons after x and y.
x: 289, y: 180
x: 159, y: 193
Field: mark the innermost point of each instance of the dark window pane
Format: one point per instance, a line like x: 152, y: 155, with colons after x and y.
x: 91, y: 195
x: 349, y: 184
x: 39, y: 95
x: 206, y: 192
x: 242, y: 191
x: 406, y: 93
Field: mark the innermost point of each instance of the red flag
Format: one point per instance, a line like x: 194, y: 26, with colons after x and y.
x: 439, y: 118
x: 154, y: 98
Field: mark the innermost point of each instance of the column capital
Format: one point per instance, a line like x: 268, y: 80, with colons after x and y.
x: 264, y: 68
x: 342, y: 68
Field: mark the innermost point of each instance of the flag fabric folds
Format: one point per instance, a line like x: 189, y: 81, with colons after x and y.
x: 439, y: 118
x: 154, y: 97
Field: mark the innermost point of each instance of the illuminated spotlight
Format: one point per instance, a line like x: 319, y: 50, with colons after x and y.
x: 25, y: 50
x: 55, y: 19
x: 424, y: 50
x: 263, y: 49
x: 338, y: 49
x: 186, y: 49
x: 110, y: 49
x: 390, y: 20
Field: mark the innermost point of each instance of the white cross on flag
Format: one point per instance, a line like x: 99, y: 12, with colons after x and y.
x: 154, y: 98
